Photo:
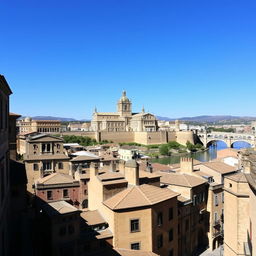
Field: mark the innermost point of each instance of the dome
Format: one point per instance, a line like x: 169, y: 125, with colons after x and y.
x: 28, y: 119
x: 124, y: 98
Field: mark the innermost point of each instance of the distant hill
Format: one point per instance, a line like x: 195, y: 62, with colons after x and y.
x: 210, y: 119
x: 199, y: 119
x: 62, y: 119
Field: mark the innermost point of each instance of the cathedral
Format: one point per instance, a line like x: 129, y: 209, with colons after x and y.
x: 123, y: 120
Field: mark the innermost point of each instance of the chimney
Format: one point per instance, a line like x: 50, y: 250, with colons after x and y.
x: 149, y: 167
x: 121, y: 166
x: 113, y: 166
x: 186, y: 164
x: 131, y: 172
x: 94, y: 169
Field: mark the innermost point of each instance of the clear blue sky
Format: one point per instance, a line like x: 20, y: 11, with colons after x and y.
x: 177, y: 58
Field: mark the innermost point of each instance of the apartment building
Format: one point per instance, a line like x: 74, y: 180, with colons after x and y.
x: 240, y: 206
x: 44, y: 155
x: 28, y: 125
x: 140, y: 217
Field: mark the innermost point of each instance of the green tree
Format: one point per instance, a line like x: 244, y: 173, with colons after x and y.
x: 164, y: 149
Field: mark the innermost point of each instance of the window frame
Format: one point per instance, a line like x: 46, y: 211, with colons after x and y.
x: 131, y: 225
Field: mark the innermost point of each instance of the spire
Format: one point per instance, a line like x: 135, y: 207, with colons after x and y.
x: 143, y: 110
x: 95, y: 110
x: 124, y: 93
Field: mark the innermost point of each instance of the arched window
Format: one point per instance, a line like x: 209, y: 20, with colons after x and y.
x: 85, y: 203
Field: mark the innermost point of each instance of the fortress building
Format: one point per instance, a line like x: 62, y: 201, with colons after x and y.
x: 124, y: 120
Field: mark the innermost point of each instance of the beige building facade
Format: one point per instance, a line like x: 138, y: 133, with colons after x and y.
x: 28, y: 125
x: 123, y: 119
x: 44, y: 155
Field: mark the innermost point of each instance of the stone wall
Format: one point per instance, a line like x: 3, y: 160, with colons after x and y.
x: 146, y: 138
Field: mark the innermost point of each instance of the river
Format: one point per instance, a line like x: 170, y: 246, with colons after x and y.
x: 201, y: 156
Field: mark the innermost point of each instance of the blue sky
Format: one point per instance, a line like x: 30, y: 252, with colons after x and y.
x: 177, y: 58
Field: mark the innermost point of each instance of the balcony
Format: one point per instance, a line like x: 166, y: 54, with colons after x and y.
x: 216, y: 223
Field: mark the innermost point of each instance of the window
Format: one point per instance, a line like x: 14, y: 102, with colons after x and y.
x: 65, y: 193
x: 222, y: 197
x: 135, y: 246
x: 35, y: 167
x: 49, y: 195
x: 47, y: 166
x: 187, y: 225
x: 60, y: 165
x: 170, y: 252
x: 170, y: 235
x: 216, y: 200
x: 215, y: 216
x: 160, y: 219
x: 159, y: 241
x: 135, y: 225
x: 170, y: 213
x: 230, y: 185
x: 85, y: 203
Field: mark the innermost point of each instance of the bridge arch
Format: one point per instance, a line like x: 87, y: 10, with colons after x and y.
x: 241, y: 140
x: 209, y: 143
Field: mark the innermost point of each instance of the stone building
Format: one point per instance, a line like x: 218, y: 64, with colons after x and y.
x: 123, y: 119
x: 140, y: 217
x: 44, y: 155
x: 193, y: 217
x: 5, y: 195
x: 27, y: 125
x: 240, y: 207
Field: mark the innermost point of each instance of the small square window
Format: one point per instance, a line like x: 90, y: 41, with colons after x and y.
x: 135, y: 246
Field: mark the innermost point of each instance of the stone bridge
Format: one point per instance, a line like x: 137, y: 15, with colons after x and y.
x: 229, y: 138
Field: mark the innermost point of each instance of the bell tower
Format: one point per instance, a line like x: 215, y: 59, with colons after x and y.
x: 124, y: 105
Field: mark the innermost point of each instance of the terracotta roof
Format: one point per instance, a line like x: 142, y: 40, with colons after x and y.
x: 93, y: 217
x: 227, y: 152
x: 104, y: 234
x: 110, y: 176
x: 84, y: 158
x: 220, y: 167
x: 182, y: 179
x: 56, y: 178
x: 128, y: 252
x: 139, y: 196
x: 14, y: 115
x: 238, y: 177
x: 111, y: 182
x: 183, y: 199
x: 59, y: 207
x: 160, y: 167
x: 143, y: 174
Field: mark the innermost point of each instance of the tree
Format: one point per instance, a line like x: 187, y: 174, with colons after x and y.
x: 164, y: 149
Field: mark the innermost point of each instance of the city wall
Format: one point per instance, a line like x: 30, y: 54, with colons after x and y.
x: 146, y: 138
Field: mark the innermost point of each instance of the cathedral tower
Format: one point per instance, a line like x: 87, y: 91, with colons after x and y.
x: 124, y: 106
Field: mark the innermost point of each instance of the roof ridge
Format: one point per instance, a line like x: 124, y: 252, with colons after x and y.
x: 185, y: 176
x: 128, y: 192
x: 144, y: 194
